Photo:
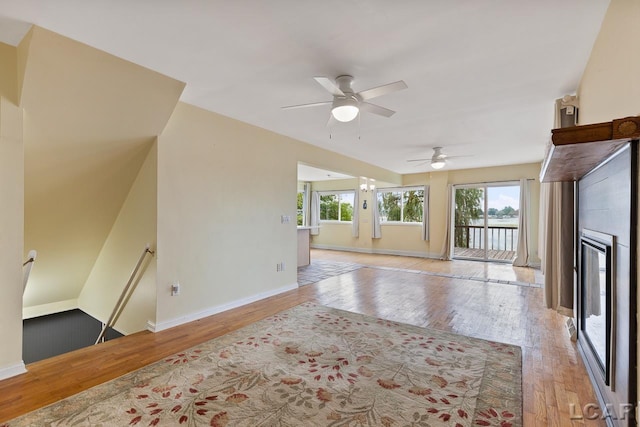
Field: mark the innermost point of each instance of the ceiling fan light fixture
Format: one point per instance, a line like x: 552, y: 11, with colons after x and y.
x: 345, y: 110
x: 437, y: 164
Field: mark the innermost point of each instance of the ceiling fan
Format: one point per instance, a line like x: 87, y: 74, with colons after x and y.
x: 438, y: 160
x: 347, y: 104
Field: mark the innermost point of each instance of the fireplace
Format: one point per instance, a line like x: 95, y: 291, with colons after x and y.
x: 603, y: 161
x: 597, y: 289
x: 606, y: 257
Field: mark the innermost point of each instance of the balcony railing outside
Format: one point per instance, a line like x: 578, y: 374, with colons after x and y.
x: 502, y: 241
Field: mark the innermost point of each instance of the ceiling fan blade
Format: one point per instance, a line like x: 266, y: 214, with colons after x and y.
x: 418, y: 164
x: 329, y: 86
x: 457, y: 157
x: 313, y: 104
x: 418, y: 160
x: 382, y: 90
x: 376, y: 109
x: 331, y: 121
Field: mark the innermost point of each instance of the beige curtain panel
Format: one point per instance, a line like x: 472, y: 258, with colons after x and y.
x: 556, y: 242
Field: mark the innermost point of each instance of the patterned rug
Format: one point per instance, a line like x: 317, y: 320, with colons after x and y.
x: 311, y: 366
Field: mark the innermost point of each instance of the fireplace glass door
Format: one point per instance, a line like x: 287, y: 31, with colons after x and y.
x: 596, y: 294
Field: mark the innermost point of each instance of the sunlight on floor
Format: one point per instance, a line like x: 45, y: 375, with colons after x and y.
x: 329, y: 263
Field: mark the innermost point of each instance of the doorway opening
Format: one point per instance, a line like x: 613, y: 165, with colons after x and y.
x: 485, y: 221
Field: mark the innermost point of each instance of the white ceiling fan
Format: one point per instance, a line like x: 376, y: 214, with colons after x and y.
x: 438, y: 160
x: 347, y: 104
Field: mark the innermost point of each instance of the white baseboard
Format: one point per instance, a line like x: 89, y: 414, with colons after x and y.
x: 161, y: 326
x: 378, y: 251
x: 12, y: 371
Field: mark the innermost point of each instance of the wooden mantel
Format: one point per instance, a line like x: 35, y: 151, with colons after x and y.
x: 577, y: 150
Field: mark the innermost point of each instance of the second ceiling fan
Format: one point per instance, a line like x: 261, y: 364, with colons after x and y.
x: 347, y: 104
x: 438, y: 159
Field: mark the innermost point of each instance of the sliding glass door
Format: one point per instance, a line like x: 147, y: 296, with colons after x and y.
x: 485, y: 221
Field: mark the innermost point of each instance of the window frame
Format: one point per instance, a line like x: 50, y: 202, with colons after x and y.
x: 337, y: 193
x: 401, y: 190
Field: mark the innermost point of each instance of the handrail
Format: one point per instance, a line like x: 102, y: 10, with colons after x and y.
x: 27, y: 265
x: 119, y: 305
x: 468, y: 233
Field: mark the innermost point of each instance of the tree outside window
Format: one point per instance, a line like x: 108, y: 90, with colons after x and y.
x: 300, y: 211
x: 336, y: 206
x: 401, y: 205
x: 468, y: 208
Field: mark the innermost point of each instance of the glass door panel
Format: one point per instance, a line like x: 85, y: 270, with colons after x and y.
x: 469, y: 223
x: 486, y: 221
x: 503, y: 208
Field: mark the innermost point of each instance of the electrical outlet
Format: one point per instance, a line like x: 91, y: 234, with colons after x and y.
x: 280, y: 266
x: 285, y: 219
x: 175, y: 289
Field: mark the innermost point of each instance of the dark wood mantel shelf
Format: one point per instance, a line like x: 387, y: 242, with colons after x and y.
x: 577, y: 150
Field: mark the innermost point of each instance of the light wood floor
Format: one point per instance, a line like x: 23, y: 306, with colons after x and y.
x: 553, y: 374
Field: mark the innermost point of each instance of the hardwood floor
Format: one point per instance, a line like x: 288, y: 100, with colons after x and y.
x: 554, y: 377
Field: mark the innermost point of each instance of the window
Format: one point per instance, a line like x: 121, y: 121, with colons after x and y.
x: 336, y: 206
x: 402, y: 205
x: 300, y: 212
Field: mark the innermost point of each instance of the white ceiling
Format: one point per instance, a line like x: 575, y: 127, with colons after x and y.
x: 482, y: 75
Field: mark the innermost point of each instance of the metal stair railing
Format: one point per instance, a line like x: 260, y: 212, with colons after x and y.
x: 27, y: 265
x: 124, y: 296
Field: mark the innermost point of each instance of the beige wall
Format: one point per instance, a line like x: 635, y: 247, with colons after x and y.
x: 9, y: 73
x: 11, y: 215
x: 407, y: 239
x: 222, y: 187
x: 90, y: 120
x: 610, y: 86
x: 11, y: 237
x: 135, y: 227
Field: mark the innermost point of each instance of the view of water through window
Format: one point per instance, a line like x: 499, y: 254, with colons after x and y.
x: 486, y: 221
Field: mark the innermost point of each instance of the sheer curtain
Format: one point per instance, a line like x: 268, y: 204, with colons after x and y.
x: 522, y: 252
x: 315, y: 214
x: 355, y: 218
x: 446, y: 244
x: 556, y: 245
x: 425, y: 214
x: 377, y: 230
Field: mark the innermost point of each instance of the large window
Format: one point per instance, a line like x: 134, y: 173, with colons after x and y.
x: 401, y: 205
x: 336, y: 206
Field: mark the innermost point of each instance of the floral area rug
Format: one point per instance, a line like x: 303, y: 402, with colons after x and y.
x: 311, y: 366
